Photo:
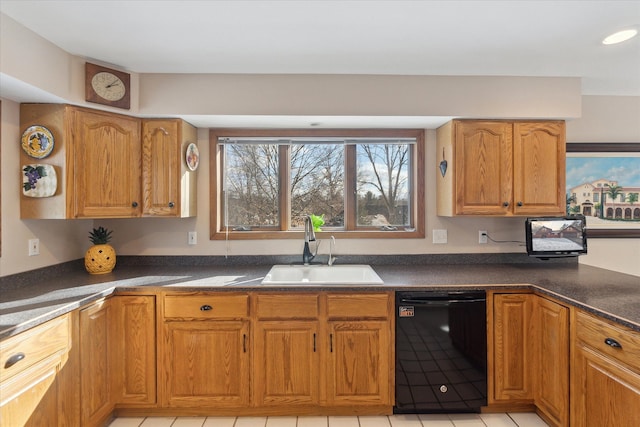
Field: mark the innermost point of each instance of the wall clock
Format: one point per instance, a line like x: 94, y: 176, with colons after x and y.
x: 107, y: 86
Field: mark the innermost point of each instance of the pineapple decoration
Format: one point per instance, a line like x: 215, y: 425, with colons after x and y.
x: 101, y: 257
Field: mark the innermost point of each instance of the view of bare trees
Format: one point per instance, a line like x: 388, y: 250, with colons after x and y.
x: 316, y: 184
x: 383, y: 184
x: 251, y: 185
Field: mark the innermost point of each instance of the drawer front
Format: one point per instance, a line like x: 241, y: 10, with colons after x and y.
x: 23, y: 350
x: 206, y: 306
x: 287, y: 306
x: 603, y: 336
x: 358, y: 306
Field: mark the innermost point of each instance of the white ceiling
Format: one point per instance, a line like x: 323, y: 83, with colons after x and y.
x: 510, y: 38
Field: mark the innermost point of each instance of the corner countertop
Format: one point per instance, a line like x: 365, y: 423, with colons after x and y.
x: 31, y: 298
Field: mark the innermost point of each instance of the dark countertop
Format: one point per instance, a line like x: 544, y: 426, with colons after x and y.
x: 31, y: 298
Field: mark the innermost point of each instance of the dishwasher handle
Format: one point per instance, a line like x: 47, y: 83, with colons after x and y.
x: 444, y: 302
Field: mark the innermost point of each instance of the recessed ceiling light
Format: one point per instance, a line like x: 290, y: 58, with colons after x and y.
x: 620, y: 36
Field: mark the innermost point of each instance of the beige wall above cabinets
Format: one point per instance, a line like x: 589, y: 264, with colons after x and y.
x: 503, y: 168
x: 103, y: 165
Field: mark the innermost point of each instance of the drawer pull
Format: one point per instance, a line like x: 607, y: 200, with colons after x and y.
x: 13, y: 360
x: 206, y: 307
x: 612, y: 343
x: 244, y: 343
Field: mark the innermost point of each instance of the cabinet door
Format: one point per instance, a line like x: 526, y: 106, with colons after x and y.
x: 134, y: 355
x: 160, y: 167
x: 359, y: 363
x: 483, y: 164
x: 539, y: 168
x: 512, y: 349
x: 552, y: 360
x: 96, y: 374
x: 286, y: 362
x: 606, y: 393
x: 30, y: 399
x: 106, y: 167
x: 206, y: 364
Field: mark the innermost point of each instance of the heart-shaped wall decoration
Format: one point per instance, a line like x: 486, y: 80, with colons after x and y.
x: 443, y: 165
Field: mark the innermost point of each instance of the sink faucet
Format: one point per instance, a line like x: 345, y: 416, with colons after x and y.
x: 309, y: 236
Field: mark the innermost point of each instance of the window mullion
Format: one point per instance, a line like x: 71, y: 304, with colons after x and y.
x: 284, y: 186
x: 350, y: 211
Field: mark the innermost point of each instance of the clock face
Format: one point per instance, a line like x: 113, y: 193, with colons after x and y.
x: 108, y: 86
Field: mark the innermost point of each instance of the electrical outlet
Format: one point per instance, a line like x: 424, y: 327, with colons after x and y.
x: 34, y: 247
x: 439, y: 236
x: 482, y: 237
x: 193, y: 238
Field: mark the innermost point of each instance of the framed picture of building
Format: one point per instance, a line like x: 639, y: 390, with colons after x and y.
x: 603, y: 184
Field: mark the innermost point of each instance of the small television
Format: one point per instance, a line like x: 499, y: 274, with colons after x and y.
x: 556, y: 237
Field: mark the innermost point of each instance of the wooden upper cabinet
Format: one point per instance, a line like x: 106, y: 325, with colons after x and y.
x: 500, y: 168
x: 106, y: 166
x: 539, y: 165
x: 169, y: 186
x: 97, y: 159
x: 111, y: 165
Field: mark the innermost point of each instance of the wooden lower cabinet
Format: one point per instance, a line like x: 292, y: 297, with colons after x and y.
x: 96, y: 369
x: 359, y: 362
x: 277, y: 353
x: 117, y: 358
x: 286, y: 364
x: 32, y: 392
x: 31, y: 398
x: 134, y: 350
x: 552, y: 361
x: 605, y: 377
x: 511, y: 348
x: 205, y: 350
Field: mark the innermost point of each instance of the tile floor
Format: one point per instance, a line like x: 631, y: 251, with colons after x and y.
x: 422, y: 420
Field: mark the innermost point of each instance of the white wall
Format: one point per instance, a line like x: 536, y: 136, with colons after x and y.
x: 60, y: 241
x: 605, y: 119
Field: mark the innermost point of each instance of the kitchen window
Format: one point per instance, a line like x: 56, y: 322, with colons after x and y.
x: 363, y: 183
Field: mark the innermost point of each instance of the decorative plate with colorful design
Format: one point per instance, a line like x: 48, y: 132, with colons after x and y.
x: 39, y: 180
x: 37, y: 141
x: 192, y: 156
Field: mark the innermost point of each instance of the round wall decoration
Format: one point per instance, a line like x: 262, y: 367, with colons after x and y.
x: 37, y: 141
x: 192, y: 156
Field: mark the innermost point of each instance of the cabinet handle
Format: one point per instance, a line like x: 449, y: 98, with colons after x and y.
x: 505, y: 204
x: 206, y: 307
x: 13, y: 360
x: 134, y: 204
x: 171, y: 204
x: 612, y: 343
x: 314, y: 343
x: 244, y: 343
x: 520, y: 203
x: 331, y: 343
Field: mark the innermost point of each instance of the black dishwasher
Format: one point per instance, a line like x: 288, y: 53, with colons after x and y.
x: 441, y: 352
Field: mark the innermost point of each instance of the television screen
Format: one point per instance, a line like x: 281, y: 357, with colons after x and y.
x: 556, y: 236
